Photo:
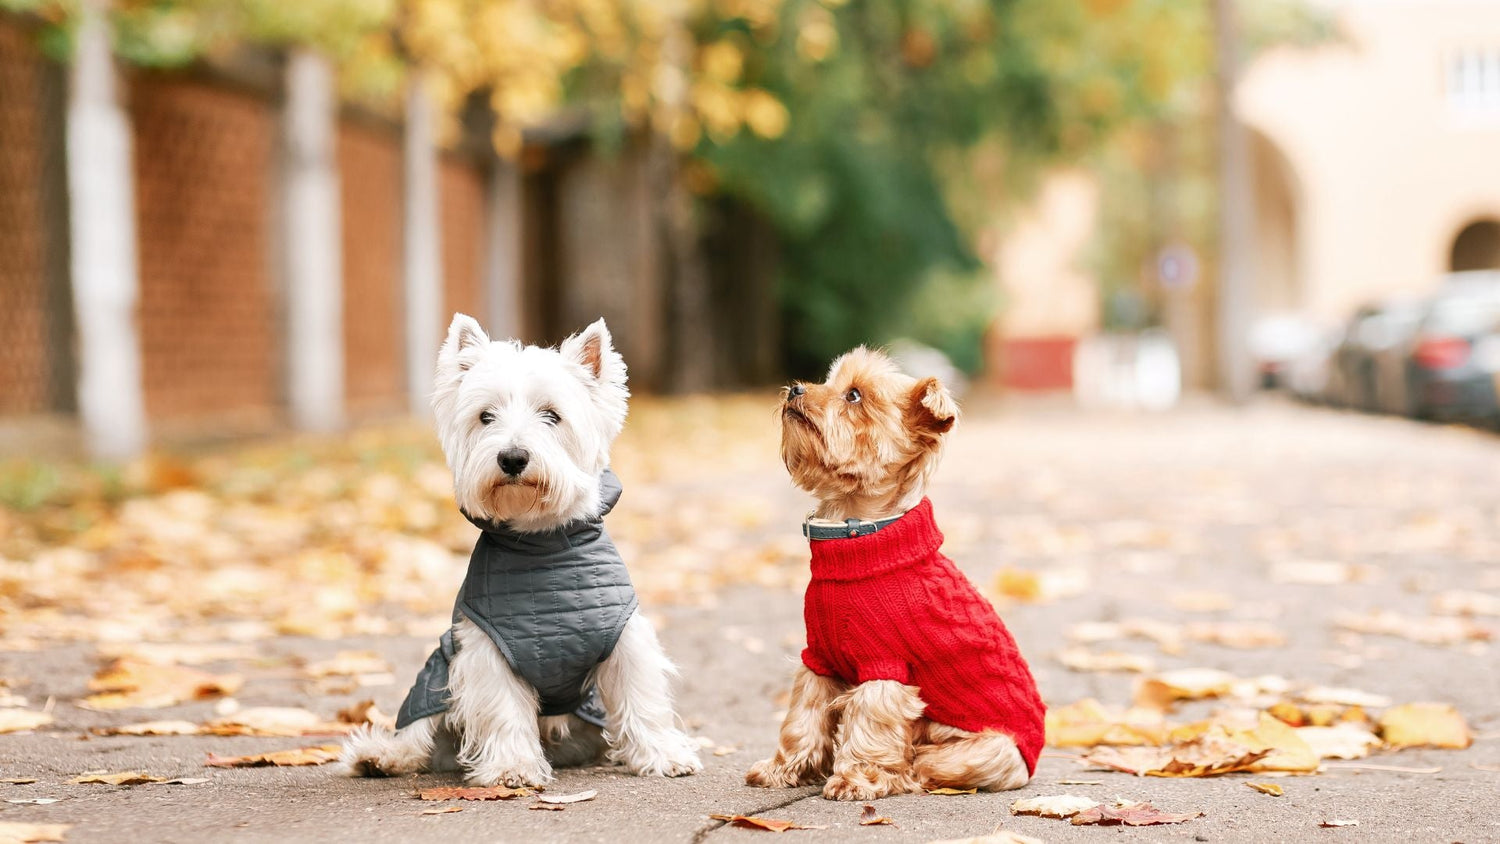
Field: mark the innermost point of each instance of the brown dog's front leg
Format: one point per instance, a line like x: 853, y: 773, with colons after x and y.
x: 805, y: 752
x: 875, y: 748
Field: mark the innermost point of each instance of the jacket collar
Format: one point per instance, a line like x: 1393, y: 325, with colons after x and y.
x: 908, y: 539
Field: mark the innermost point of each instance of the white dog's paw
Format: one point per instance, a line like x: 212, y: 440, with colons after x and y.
x: 671, y: 755
x: 373, y: 752
x: 515, y: 774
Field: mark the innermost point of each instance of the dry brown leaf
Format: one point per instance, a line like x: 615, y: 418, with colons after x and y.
x: 283, y: 721
x: 870, y: 817
x: 17, y: 720
x: 121, y: 778
x: 1210, y: 754
x: 128, y: 683
x: 1424, y: 725
x: 366, y: 712
x: 32, y: 833
x: 441, y: 810
x: 546, y: 807
x: 1054, y: 806
x: 1270, y: 788
x: 561, y: 799
x: 768, y: 824
x: 1163, y: 690
x: 150, y: 728
x: 1083, y: 659
x: 186, y: 781
x: 461, y: 792
x: 296, y: 757
x: 18, y: 780
x: 1337, y: 823
x: 1130, y: 814
x: 952, y: 791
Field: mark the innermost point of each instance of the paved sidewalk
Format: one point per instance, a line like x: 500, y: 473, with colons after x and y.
x: 1116, y: 517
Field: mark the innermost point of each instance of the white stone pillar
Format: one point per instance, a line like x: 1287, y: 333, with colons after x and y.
x: 422, y: 253
x: 105, y: 272
x: 313, y: 238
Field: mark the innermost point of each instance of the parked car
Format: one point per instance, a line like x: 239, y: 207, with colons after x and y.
x: 1451, y: 371
x: 1376, y: 333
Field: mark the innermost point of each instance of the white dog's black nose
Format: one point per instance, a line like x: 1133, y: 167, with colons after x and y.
x: 513, y: 461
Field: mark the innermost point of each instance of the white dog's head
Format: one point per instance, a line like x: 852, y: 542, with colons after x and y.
x: 526, y: 429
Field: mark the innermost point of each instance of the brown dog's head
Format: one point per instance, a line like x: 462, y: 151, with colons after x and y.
x: 866, y: 441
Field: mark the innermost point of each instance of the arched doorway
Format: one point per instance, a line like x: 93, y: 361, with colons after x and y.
x: 1477, y: 247
x: 1278, y: 270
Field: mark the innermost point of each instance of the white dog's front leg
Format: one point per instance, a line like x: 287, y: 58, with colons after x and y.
x: 635, y: 684
x: 495, y: 713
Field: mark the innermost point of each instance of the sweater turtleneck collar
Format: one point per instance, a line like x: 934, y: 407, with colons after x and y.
x: 574, y: 533
x: 911, y: 539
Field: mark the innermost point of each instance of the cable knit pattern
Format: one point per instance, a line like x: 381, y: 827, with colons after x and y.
x: 890, y: 606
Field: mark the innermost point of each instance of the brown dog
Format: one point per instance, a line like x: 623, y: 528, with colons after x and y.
x: 910, y: 680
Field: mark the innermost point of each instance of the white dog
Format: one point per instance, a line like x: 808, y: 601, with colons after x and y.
x: 546, y: 627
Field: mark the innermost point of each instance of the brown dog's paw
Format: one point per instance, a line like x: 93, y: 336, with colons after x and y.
x: 767, y: 774
x: 867, y: 785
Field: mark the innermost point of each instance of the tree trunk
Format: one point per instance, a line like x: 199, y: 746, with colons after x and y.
x: 314, y: 267
x: 422, y: 253
x: 111, y: 395
x: 1236, y: 270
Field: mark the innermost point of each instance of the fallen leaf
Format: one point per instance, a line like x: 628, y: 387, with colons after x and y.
x: 180, y: 653
x: 187, y: 781
x: 1424, y: 725
x: 150, y: 728
x: 319, y: 755
x: 1431, y: 630
x: 1083, y: 659
x: 1465, y: 602
x: 1341, y: 741
x: 34, y: 801
x: 32, y: 833
x: 568, y: 798
x: 869, y: 817
x: 1318, y: 572
x: 1088, y: 723
x: 1210, y: 754
x: 1166, y: 636
x: 1342, y: 696
x: 121, y: 778
x: 1397, y: 769
x: 348, y: 664
x: 1032, y: 586
x: 281, y: 721
x: 17, y: 720
x: 1164, y: 690
x: 442, y: 810
x: 19, y: 780
x: 365, y: 712
x: 1243, y: 635
x: 1130, y: 814
x: 128, y: 683
x: 768, y: 824
x: 1270, y: 788
x: 546, y: 807
x: 460, y: 792
x: 947, y: 791
x: 1334, y: 823
x: 1204, y: 601
x: 1056, y: 806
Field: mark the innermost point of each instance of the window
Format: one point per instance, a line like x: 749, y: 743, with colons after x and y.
x: 1473, y: 85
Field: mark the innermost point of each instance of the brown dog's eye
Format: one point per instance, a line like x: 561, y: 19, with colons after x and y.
x: 852, y: 396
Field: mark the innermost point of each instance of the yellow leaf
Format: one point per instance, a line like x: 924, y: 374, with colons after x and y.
x: 32, y: 833
x: 1424, y: 725
x: 1270, y: 788
x: 121, y: 778
x: 16, y: 720
x: 320, y: 755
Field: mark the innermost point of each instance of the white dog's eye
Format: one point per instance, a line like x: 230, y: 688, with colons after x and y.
x: 852, y: 396
x: 550, y: 416
x: 486, y: 418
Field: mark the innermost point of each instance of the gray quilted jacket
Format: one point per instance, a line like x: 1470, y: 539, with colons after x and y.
x: 554, y: 603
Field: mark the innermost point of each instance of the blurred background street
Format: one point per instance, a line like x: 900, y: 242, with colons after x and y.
x: 1217, y: 283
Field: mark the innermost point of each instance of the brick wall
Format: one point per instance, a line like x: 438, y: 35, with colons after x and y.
x: 203, y: 172
x: 25, y: 368
x: 369, y: 161
x: 461, y: 195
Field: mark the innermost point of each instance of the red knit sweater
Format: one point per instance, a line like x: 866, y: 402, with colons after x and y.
x: 889, y: 606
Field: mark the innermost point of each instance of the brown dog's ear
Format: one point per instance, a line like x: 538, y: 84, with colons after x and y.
x: 930, y: 408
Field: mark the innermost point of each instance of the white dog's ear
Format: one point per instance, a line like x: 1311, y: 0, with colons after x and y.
x: 464, y: 335
x: 593, y: 349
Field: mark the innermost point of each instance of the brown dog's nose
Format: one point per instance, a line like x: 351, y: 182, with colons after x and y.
x: 797, y: 391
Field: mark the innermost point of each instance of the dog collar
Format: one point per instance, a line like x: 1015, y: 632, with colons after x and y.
x: 847, y: 529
